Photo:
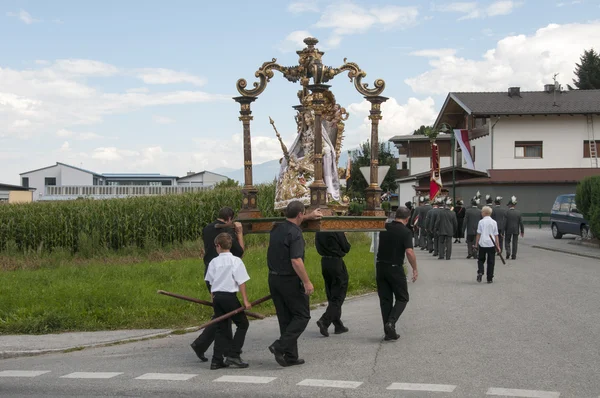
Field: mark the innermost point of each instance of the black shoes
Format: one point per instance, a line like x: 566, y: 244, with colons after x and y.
x: 322, y: 328
x: 293, y: 362
x: 469, y: 256
x: 236, y: 362
x: 214, y: 365
x: 479, y: 276
x: 490, y: 281
x: 199, y: 354
x: 340, y: 329
x: 390, y: 332
x: 279, y: 358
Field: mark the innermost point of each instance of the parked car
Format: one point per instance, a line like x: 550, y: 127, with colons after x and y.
x: 566, y: 219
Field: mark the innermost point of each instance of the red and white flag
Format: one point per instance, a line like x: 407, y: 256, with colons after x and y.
x: 435, y: 184
x: 462, y: 137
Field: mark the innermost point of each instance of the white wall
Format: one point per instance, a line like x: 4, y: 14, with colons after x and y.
x: 204, y: 179
x: 212, y: 179
x: 70, y: 176
x: 562, y: 138
x: 406, y: 192
x: 421, y: 165
x: 483, y: 153
x: 36, y: 179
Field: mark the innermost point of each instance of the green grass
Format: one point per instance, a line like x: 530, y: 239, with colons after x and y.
x: 98, y: 296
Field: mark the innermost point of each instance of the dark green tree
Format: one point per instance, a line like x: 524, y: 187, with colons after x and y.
x: 229, y: 183
x: 360, y: 157
x: 423, y: 130
x: 587, y: 72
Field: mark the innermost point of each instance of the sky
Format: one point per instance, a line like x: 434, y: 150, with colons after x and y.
x: 147, y: 86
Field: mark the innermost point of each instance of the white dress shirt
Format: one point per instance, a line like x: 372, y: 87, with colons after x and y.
x: 226, y: 273
x: 486, y: 227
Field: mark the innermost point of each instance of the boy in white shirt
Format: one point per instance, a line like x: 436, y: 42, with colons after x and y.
x: 227, y: 275
x: 487, y: 247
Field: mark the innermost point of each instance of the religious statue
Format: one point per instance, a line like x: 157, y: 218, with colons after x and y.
x: 296, y: 171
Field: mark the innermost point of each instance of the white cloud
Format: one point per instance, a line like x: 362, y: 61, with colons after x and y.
x: 299, y: 7
x: 162, y: 120
x: 65, y: 147
x: 525, y: 61
x: 24, y: 16
x: 55, y: 96
x: 472, y: 10
x: 293, y: 41
x: 112, y: 153
x: 397, y: 119
x: 574, y: 2
x: 349, y: 18
x: 86, y: 136
x: 139, y: 90
x: 168, y: 76
x: 434, y: 52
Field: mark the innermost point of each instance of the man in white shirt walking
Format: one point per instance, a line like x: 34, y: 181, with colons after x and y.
x: 227, y: 275
x: 486, y: 230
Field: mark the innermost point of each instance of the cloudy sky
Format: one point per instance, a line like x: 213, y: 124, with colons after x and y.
x: 146, y: 86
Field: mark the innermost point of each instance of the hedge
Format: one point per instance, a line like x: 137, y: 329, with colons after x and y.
x: 118, y: 223
x: 588, y: 202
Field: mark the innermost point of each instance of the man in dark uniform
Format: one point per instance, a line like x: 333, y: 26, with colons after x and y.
x: 394, y: 243
x: 289, y: 283
x: 425, y: 208
x: 432, y: 240
x: 410, y: 226
x: 445, y: 226
x: 332, y: 247
x: 472, y: 217
x: 514, y: 224
x: 209, y: 234
x: 489, y: 201
x: 499, y: 215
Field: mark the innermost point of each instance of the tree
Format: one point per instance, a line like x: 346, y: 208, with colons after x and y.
x: 229, y: 183
x: 423, y: 130
x: 361, y: 157
x: 587, y: 72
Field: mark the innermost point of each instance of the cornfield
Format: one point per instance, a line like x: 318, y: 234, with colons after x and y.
x: 118, y: 223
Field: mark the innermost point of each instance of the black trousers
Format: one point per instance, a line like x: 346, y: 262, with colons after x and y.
x: 431, y: 242
x: 391, y: 283
x: 208, y: 334
x: 335, y: 276
x: 514, y: 239
x: 445, y: 246
x: 490, y: 253
x: 501, y: 239
x: 225, y: 344
x: 293, y: 311
x: 471, y: 249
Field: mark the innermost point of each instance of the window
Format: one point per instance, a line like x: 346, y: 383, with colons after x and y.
x: 586, y: 148
x: 528, y: 149
x: 25, y: 182
x: 50, y: 181
x: 473, y: 153
x: 404, y: 165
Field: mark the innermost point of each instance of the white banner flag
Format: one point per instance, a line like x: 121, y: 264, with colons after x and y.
x: 462, y: 137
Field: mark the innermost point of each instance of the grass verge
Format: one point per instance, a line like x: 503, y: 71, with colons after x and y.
x: 95, y: 295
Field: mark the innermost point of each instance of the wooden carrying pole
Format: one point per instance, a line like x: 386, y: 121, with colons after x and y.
x: 498, y: 249
x: 204, y: 302
x: 234, y: 312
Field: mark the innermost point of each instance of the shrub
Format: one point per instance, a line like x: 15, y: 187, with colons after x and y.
x: 588, y: 202
x: 95, y: 225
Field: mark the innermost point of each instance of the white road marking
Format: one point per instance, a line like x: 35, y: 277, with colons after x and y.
x: 91, y: 375
x: 329, y: 383
x: 245, y: 379
x: 509, y: 392
x: 422, y: 387
x: 23, y: 373
x: 166, y: 376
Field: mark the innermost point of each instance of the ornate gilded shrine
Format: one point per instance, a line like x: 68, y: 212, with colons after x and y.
x: 307, y: 167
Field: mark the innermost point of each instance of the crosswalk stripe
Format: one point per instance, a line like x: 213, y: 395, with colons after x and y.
x: 91, y: 375
x: 508, y: 392
x: 23, y: 373
x: 245, y: 379
x: 166, y: 376
x: 330, y: 383
x: 422, y: 387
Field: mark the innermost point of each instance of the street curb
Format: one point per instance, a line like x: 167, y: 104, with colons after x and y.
x: 32, y: 353
x: 568, y: 252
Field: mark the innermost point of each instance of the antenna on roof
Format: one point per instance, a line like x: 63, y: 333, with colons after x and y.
x: 556, y: 88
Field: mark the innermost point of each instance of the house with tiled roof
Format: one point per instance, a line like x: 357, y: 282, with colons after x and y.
x: 531, y: 144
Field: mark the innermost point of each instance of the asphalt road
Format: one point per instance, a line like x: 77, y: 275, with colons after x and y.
x: 532, y: 333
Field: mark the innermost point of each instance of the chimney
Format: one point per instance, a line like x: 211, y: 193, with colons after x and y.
x: 514, y: 92
x: 189, y: 173
x: 549, y: 88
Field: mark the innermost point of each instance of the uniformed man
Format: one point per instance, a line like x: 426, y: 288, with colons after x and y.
x: 445, y: 226
x: 332, y: 247
x: 489, y: 201
x: 472, y: 217
x: 430, y: 226
x: 499, y: 215
x: 423, y: 236
x: 209, y: 234
x: 394, y: 244
x: 289, y: 283
x: 514, y: 225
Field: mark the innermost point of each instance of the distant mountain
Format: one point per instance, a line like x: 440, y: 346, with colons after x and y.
x: 265, y: 172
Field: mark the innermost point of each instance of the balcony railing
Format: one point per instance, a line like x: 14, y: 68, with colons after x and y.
x: 114, y: 191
